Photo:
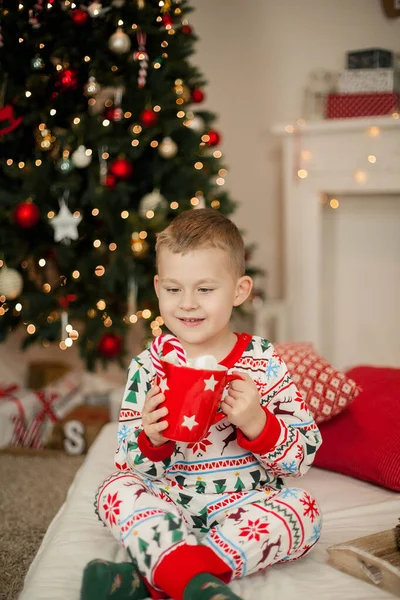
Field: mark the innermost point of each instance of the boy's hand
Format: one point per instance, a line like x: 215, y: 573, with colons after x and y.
x: 151, y: 415
x: 242, y: 406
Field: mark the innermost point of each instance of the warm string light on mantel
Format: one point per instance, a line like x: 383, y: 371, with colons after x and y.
x: 303, y: 155
x: 332, y: 203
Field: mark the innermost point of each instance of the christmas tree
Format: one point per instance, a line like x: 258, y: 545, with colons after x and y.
x: 103, y: 142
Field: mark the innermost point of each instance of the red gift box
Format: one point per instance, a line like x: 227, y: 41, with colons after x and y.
x: 344, y: 106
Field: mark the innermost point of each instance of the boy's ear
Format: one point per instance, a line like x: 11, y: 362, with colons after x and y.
x: 156, y: 282
x: 243, y: 289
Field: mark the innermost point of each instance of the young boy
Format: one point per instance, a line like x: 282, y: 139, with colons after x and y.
x: 192, y: 517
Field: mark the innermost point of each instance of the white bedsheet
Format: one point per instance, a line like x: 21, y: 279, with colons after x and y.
x: 350, y: 509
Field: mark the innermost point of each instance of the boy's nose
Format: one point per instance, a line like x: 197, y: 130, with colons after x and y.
x: 188, y: 302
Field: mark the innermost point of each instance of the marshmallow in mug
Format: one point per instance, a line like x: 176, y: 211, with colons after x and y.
x: 207, y: 362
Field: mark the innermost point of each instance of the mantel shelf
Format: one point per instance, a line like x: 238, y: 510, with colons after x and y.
x: 338, y: 125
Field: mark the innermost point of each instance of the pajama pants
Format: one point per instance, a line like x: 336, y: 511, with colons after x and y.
x: 168, y: 529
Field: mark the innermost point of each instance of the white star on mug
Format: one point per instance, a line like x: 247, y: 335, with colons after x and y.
x: 164, y: 385
x: 210, y: 383
x: 189, y: 422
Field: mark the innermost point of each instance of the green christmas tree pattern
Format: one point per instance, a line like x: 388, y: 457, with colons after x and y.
x: 136, y: 380
x: 200, y: 486
x: 200, y: 520
x: 239, y: 485
x: 265, y: 345
x: 220, y: 486
x: 143, y: 545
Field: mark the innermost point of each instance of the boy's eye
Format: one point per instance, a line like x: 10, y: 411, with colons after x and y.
x: 173, y: 290
x: 205, y: 290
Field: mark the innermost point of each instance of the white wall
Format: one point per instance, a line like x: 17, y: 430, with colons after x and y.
x: 361, y: 281
x: 256, y: 56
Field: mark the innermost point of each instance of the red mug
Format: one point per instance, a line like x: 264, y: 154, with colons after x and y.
x: 192, y: 397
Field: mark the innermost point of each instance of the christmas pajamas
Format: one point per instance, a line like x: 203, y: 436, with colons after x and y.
x: 218, y: 505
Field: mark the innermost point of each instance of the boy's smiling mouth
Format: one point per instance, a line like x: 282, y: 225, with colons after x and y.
x: 190, y: 321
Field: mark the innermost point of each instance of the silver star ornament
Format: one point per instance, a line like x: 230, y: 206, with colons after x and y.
x: 65, y: 225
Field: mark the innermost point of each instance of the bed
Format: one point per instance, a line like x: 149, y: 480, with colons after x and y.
x: 351, y: 508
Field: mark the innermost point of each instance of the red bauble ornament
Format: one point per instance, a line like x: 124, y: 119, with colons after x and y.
x: 187, y: 30
x: 215, y: 138
x: 67, y: 79
x: 148, y: 117
x: 198, y: 95
x: 110, y: 345
x: 26, y: 215
x: 79, y: 17
x: 66, y: 300
x: 110, y: 181
x: 167, y: 21
x: 121, y: 169
x: 115, y: 114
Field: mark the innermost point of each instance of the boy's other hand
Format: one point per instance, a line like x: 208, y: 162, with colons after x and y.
x: 242, y: 406
x: 151, y: 415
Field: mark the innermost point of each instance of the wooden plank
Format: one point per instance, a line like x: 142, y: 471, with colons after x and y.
x: 373, y: 558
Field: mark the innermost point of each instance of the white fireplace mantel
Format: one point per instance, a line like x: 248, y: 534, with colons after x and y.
x: 336, y: 157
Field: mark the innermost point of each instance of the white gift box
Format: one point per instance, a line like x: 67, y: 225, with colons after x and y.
x: 15, y: 404
x: 27, y: 416
x: 353, y: 81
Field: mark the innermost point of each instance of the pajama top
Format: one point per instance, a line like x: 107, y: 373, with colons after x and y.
x: 224, y: 461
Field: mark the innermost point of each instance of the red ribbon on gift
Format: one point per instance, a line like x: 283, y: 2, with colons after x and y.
x: 33, y: 434
x: 8, y: 390
x: 8, y: 393
x: 47, y: 401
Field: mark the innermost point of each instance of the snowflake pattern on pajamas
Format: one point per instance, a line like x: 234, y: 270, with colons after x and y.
x: 123, y: 433
x: 311, y: 509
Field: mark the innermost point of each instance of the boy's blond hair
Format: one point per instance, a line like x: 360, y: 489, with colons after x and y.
x: 203, y: 228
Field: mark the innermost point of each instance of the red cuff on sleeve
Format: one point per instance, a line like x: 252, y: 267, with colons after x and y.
x: 154, y: 453
x: 267, y: 439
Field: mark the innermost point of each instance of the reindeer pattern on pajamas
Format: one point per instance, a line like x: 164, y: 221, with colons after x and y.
x: 224, y: 492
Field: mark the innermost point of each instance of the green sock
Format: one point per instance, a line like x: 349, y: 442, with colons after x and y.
x: 118, y: 581
x: 207, y: 587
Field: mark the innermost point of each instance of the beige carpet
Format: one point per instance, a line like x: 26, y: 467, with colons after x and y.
x: 32, y: 489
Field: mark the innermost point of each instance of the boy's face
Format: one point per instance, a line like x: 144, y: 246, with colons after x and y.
x: 197, y: 292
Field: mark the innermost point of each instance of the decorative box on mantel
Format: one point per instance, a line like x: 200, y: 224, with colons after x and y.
x: 363, y: 81
x: 329, y: 159
x: 369, y: 58
x: 345, y: 106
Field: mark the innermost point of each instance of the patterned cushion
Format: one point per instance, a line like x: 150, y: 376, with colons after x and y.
x: 368, y: 431
x: 326, y: 390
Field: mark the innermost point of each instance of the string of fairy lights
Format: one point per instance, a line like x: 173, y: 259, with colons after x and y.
x: 304, y: 157
x: 81, y: 157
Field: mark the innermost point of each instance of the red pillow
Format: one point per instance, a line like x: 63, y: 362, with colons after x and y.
x: 364, y: 441
x: 326, y: 390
